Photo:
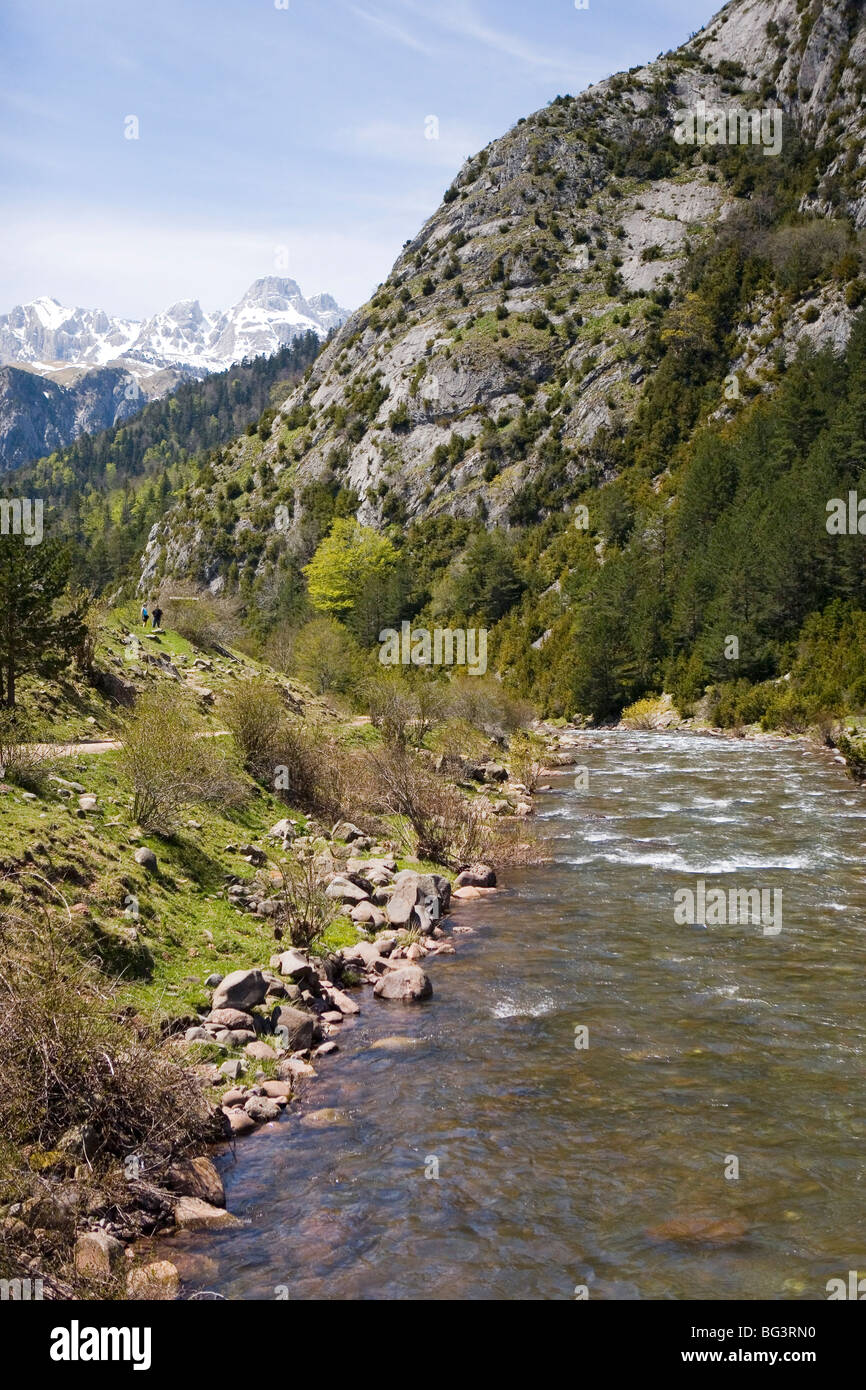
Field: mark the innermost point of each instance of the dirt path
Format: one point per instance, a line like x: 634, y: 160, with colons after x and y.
x: 105, y: 745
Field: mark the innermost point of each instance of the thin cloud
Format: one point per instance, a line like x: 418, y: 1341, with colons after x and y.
x: 467, y: 24
x: 393, y: 31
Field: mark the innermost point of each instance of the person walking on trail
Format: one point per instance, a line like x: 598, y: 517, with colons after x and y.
x: 144, y: 615
x: 157, y: 618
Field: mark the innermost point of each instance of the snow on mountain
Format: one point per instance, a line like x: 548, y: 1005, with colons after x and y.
x: 46, y: 335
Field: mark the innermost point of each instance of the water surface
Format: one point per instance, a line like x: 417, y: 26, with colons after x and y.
x: 561, y: 1167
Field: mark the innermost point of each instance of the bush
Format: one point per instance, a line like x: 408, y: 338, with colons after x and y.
x: 445, y: 825
x: 254, y: 712
x: 206, y: 622
x: 169, y: 766
x: 24, y: 761
x: 326, y: 657
x: 304, y: 911
x: 526, y: 758
x: 82, y: 1093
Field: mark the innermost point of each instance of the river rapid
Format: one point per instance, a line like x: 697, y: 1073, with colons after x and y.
x: 703, y: 1138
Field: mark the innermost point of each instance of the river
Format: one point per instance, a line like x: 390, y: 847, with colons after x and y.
x: 706, y: 1143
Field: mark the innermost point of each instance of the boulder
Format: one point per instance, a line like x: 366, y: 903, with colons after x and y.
x: 342, y: 890
x: 233, y: 1069
x: 367, y: 913
x: 406, y: 983
x: 293, y: 1067
x: 294, y: 1027
x: 192, y: 1214
x: 146, y: 858
x: 243, y: 989
x: 343, y: 1002
x: 363, y: 953
x: 239, y: 1121
x: 261, y: 1109
x: 89, y: 802
x: 97, y: 1255
x: 277, y: 1090
x: 156, y: 1282
x: 417, y: 900
x: 345, y: 830
x: 295, y: 966
x: 231, y: 1018
x: 284, y: 829
x: 260, y: 1051
x: 197, y: 1177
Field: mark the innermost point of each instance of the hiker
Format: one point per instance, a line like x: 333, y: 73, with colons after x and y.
x: 144, y: 615
x: 157, y: 618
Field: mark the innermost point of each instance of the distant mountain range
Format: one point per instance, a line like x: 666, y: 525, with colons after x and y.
x: 49, y: 338
x: 65, y: 372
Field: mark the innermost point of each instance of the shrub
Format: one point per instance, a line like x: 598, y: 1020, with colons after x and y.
x: 326, y: 656
x: 254, y: 712
x: 23, y: 759
x: 208, y: 623
x: 525, y: 758
x: 304, y: 909
x: 169, y: 766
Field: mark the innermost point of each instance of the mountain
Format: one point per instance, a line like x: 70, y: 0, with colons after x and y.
x: 38, y: 414
x: 104, y: 492
x: 85, y: 371
x: 608, y: 299
x: 272, y: 313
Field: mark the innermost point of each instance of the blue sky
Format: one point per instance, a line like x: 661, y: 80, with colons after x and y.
x: 272, y: 140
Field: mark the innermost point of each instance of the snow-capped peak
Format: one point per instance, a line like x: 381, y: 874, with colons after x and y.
x: 270, y: 314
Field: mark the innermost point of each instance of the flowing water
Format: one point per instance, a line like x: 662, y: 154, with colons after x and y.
x: 611, y: 1166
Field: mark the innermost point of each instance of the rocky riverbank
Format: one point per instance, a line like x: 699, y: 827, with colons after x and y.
x: 257, y: 1048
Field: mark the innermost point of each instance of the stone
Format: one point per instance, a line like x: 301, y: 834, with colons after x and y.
x: 326, y: 1049
x: 88, y: 802
x: 260, y: 1051
x: 236, y: 1037
x: 146, y: 858
x: 234, y: 1097
x: 342, y: 890
x: 197, y: 1035
x: 364, y: 953
x: 197, y: 1177
x: 295, y: 966
x: 467, y: 894
x: 233, y: 1069
x: 156, y: 1282
x: 367, y: 912
x: 343, y: 1002
x: 277, y: 1090
x: 212, y: 981
x: 345, y: 830
x: 192, y: 1214
x: 262, y: 1108
x: 406, y: 983
x: 292, y: 1067
x: 239, y: 1121
x: 231, y: 1018
x: 97, y: 1255
x: 243, y: 989
x: 332, y: 1016
x: 284, y: 829
x: 294, y: 1027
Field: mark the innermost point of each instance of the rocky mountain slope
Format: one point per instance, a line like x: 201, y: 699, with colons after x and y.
x: 517, y: 335
x: 75, y: 371
x: 38, y: 415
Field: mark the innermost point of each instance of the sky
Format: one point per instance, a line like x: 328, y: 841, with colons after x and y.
x: 274, y: 137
